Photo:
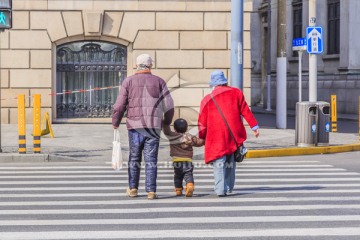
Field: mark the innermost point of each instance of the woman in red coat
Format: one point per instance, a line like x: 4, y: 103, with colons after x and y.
x: 219, y: 144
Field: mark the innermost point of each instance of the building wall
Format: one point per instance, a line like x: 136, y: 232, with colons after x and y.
x: 187, y: 39
x: 338, y: 74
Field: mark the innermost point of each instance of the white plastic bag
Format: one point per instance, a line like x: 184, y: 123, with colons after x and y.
x: 117, y: 159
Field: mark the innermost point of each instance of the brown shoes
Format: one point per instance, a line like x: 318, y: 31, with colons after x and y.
x: 132, y: 192
x: 152, y: 195
x: 178, y: 191
x: 189, y: 190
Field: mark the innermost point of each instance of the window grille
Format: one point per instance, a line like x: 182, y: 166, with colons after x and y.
x: 89, y: 69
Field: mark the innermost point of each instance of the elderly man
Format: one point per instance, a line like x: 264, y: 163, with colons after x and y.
x: 148, y: 103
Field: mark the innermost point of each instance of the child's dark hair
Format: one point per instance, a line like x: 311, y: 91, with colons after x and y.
x: 180, y: 125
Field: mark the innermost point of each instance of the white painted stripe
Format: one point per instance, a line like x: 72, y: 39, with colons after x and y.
x: 170, y: 170
x: 211, y: 186
x: 179, y: 200
x: 42, y: 182
x: 277, y: 161
x: 253, y: 161
x: 176, y: 234
x: 180, y: 209
x: 187, y: 220
x: 56, y: 167
x: 170, y: 193
x: 165, y: 165
x: 199, y: 174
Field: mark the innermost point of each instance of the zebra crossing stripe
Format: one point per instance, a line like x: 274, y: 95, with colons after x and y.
x: 210, y: 186
x: 112, y: 175
x: 181, y: 200
x: 194, y: 233
x: 182, y: 209
x: 169, y: 166
x: 303, y: 180
x: 238, y: 170
x: 179, y: 220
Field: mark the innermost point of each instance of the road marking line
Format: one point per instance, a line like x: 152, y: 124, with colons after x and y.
x: 167, y: 165
x: 199, y: 174
x: 182, y: 209
x: 188, y: 220
x: 238, y: 170
x: 210, y: 186
x: 132, y: 201
x: 203, y: 233
x: 170, y: 193
x: 81, y: 181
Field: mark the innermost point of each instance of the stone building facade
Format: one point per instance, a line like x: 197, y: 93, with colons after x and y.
x: 188, y: 39
x: 338, y: 66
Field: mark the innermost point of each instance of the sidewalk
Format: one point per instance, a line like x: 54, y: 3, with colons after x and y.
x: 93, y: 142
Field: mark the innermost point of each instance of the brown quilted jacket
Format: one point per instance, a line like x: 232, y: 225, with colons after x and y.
x: 147, y: 100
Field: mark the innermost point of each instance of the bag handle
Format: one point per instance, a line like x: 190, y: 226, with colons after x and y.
x: 116, y: 135
x: 223, y: 117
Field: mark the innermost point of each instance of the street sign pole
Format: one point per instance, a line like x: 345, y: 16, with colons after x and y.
x: 312, y: 57
x: 300, y: 45
x: 300, y: 74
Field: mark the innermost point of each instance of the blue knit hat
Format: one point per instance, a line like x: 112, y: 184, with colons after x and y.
x: 217, y: 78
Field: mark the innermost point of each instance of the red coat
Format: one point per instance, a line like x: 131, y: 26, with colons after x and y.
x: 212, y: 128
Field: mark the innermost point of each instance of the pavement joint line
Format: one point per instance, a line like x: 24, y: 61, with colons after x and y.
x: 280, y: 152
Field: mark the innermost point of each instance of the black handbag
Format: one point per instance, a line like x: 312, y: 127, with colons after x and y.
x: 241, y: 151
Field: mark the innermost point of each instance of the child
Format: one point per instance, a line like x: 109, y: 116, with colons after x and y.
x: 181, y: 152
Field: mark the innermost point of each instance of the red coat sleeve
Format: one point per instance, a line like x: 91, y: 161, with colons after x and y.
x: 246, y: 112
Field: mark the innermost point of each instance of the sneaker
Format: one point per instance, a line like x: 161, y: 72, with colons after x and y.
x: 222, y: 195
x: 132, y: 192
x: 178, y: 191
x: 152, y: 195
x: 189, y: 189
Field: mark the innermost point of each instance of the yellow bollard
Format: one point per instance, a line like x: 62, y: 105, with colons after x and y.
x: 21, y: 123
x: 333, y: 114
x: 37, y: 123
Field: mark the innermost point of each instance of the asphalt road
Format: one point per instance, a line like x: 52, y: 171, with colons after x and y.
x: 301, y: 197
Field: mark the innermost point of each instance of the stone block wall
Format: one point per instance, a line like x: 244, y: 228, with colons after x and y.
x: 187, y: 39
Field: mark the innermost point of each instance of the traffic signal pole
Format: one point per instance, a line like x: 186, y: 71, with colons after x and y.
x: 5, y: 23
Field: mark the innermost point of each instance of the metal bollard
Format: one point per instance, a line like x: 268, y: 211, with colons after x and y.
x: 21, y: 123
x: 333, y: 114
x: 37, y: 123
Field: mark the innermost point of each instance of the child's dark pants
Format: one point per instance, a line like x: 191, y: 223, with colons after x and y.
x: 183, y: 171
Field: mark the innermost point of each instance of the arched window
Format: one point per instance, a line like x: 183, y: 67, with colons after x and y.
x: 87, y: 78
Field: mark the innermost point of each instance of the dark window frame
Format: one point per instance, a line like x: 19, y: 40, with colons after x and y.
x: 333, y: 27
x: 297, y: 11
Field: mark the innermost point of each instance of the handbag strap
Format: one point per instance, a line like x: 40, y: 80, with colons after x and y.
x: 223, y: 117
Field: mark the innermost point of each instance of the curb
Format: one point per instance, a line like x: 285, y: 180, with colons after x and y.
x: 280, y: 152
x: 33, y: 158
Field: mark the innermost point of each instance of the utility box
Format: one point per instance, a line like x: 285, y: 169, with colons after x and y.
x: 306, y: 124
x: 323, y: 123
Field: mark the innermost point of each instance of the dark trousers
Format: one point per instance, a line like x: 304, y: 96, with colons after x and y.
x: 183, y: 171
x: 149, y: 145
